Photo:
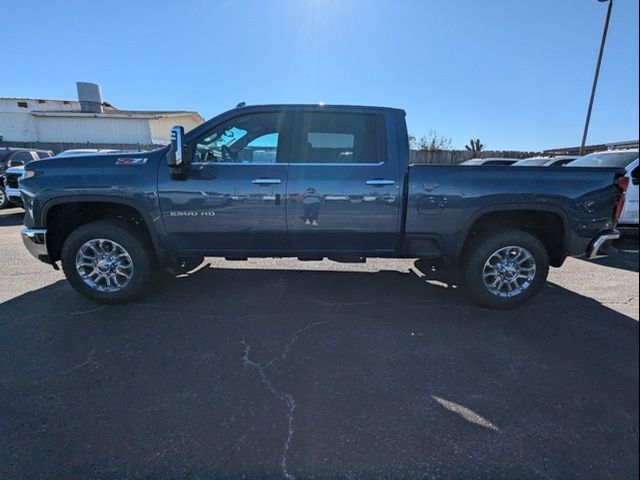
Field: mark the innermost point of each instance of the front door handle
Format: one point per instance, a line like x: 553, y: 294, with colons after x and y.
x: 379, y: 182
x: 266, y: 181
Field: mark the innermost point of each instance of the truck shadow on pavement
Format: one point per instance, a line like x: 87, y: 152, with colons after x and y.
x: 270, y: 373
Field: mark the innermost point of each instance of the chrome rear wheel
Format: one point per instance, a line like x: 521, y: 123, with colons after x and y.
x: 509, y: 271
x: 504, y: 268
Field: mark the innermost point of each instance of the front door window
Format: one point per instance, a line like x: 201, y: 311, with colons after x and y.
x: 248, y: 139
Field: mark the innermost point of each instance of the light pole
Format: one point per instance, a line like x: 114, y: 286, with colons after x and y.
x: 595, y: 77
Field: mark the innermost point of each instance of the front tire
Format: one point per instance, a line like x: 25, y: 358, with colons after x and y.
x: 107, y: 261
x: 505, y: 268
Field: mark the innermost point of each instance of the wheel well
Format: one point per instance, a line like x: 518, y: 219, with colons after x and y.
x: 63, y: 219
x: 548, y: 227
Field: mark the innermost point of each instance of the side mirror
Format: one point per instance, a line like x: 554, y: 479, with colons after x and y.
x: 176, y: 157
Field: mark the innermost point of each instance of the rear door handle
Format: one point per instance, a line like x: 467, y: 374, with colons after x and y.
x: 379, y: 182
x: 266, y: 181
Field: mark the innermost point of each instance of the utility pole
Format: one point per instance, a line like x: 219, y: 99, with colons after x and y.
x: 595, y: 77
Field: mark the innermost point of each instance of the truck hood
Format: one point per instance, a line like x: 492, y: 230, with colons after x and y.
x: 115, y: 161
x: 93, y: 174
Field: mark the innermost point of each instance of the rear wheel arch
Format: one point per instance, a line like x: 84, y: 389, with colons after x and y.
x: 550, y: 226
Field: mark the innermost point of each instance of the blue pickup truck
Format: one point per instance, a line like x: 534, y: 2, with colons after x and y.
x: 310, y: 181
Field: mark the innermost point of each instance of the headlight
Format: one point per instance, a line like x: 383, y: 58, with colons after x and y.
x: 28, y: 174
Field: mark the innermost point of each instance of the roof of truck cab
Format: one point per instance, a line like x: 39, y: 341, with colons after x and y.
x: 316, y: 106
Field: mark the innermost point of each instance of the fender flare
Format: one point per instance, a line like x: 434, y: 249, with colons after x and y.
x: 158, y: 245
x: 509, y: 208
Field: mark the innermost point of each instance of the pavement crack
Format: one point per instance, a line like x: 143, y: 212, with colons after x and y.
x: 85, y: 312
x: 284, y: 397
x: 292, y: 342
x: 67, y: 371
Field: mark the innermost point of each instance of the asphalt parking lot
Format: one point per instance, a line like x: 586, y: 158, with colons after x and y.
x: 283, y: 369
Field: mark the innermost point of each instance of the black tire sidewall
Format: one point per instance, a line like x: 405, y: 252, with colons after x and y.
x: 121, y: 233
x: 480, y: 251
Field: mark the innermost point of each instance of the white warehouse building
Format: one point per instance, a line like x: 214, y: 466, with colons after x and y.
x: 86, y: 121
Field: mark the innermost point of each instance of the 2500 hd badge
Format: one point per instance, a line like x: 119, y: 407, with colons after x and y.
x: 187, y: 213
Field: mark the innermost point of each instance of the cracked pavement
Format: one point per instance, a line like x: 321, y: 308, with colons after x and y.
x: 287, y: 369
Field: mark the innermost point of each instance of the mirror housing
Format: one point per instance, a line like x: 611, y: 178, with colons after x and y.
x: 176, y: 157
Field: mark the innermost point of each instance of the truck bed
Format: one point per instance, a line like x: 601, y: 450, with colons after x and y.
x: 445, y: 202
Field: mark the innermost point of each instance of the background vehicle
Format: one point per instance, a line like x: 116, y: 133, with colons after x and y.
x: 236, y: 187
x: 627, y: 159
x: 11, y: 157
x: 83, y: 151
x: 490, y: 162
x: 545, y: 161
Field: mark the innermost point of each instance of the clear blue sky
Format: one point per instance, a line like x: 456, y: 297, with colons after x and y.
x: 515, y: 73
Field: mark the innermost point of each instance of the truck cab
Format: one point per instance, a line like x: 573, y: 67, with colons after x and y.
x: 288, y: 180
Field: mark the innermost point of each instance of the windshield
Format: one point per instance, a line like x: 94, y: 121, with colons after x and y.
x: 605, y: 159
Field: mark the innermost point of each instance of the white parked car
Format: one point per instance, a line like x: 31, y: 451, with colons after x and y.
x: 489, y: 162
x: 558, y: 161
x: 77, y: 152
x: 627, y: 159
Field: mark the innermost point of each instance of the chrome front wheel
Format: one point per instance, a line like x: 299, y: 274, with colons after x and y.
x: 104, y: 265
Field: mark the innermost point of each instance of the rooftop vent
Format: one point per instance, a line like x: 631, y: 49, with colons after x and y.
x: 90, y: 97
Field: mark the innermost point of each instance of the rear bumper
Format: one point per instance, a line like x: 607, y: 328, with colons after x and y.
x: 35, y: 239
x: 599, y: 246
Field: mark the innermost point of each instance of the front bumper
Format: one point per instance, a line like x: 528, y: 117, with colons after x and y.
x: 35, y: 239
x: 599, y: 246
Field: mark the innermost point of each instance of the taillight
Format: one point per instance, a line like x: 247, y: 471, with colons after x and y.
x: 622, y: 183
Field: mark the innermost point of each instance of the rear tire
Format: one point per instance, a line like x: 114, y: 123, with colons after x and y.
x: 107, y: 261
x: 503, y: 269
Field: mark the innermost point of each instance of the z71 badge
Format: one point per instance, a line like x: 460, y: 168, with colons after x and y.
x: 131, y: 161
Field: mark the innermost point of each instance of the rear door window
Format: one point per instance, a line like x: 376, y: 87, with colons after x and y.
x: 339, y: 138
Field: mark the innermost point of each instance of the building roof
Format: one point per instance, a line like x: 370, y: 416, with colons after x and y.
x: 141, y: 114
x: 593, y: 148
x: 109, y: 110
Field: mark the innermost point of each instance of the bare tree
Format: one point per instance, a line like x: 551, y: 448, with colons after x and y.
x: 431, y: 142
